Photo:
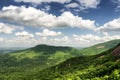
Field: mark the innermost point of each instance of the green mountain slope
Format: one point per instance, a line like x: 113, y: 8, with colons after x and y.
x: 104, y: 66
x: 45, y: 62
x: 34, y: 59
x: 46, y: 55
x: 99, y: 48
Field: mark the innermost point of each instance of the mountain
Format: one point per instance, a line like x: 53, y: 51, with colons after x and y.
x: 45, y: 62
x: 33, y: 59
x: 46, y: 55
x: 104, y: 66
x: 99, y: 48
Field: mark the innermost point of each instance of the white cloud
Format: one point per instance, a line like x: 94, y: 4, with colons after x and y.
x: 86, y: 38
x: 24, y: 34
x: 47, y: 8
x: 47, y: 32
x: 113, y: 25
x: 1, y: 39
x: 63, y: 39
x: 75, y: 40
x: 81, y: 5
x: 90, y: 39
x: 72, y: 5
x: 89, y: 3
x: 8, y: 28
x: 32, y: 17
x: 40, y: 1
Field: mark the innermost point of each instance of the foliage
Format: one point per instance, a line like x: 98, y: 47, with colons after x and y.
x: 47, y: 64
x: 99, y: 48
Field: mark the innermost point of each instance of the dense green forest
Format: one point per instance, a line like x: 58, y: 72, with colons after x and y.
x: 34, y: 59
x: 45, y: 62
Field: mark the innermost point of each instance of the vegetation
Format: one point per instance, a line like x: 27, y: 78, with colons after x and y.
x: 99, y: 48
x: 104, y: 66
x: 49, y: 63
x: 33, y: 59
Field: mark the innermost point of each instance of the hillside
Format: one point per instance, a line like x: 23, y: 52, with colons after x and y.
x: 44, y: 62
x: 34, y: 59
x: 99, y: 48
x: 104, y: 66
x: 46, y: 55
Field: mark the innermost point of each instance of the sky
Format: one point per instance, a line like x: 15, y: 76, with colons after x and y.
x: 76, y: 23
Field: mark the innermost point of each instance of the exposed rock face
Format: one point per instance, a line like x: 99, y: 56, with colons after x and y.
x: 116, y: 51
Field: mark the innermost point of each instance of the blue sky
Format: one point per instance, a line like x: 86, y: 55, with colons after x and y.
x: 26, y: 23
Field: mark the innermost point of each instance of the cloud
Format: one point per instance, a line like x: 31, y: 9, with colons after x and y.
x: 33, y: 17
x: 82, y: 5
x: 91, y: 39
x: 24, y: 34
x: 89, y: 3
x: 118, y: 8
x: 116, y: 1
x: 8, y: 28
x: 40, y: 1
x: 113, y: 25
x: 61, y: 40
x: 1, y: 39
x: 47, y: 8
x: 86, y: 38
x: 118, y: 5
x: 73, y: 40
x: 47, y: 32
x: 72, y: 5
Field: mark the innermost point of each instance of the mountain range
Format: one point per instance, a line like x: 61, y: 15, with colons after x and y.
x: 46, y: 62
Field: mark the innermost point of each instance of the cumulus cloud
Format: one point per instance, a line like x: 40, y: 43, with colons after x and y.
x: 8, y: 28
x: 86, y: 38
x: 33, y: 17
x: 113, y: 25
x: 63, y: 39
x: 47, y: 32
x: 89, y: 3
x: 24, y: 34
x: 40, y: 1
x: 90, y: 39
x: 74, y: 40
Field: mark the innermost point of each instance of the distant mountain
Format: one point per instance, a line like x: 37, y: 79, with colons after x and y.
x: 104, y: 66
x: 10, y: 49
x: 99, y: 48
